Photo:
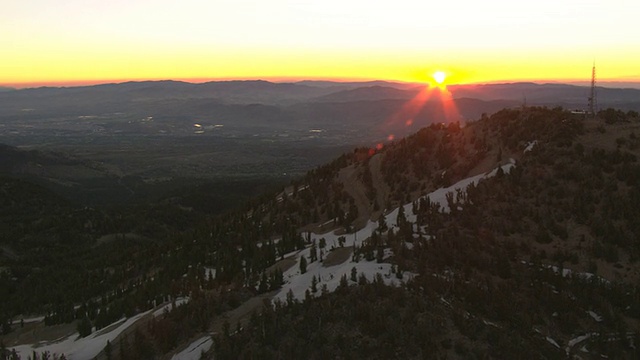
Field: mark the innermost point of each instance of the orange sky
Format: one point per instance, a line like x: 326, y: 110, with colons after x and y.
x: 86, y: 41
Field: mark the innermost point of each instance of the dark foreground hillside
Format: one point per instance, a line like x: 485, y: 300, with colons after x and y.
x: 536, y: 258
x: 541, y: 262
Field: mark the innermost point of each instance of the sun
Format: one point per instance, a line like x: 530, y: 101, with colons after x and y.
x: 439, y: 77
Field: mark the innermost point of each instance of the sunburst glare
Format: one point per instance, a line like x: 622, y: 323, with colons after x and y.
x: 439, y: 77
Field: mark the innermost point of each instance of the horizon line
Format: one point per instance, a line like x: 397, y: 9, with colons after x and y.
x: 293, y: 79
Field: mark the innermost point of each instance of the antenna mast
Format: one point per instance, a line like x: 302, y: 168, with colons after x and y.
x: 592, y: 94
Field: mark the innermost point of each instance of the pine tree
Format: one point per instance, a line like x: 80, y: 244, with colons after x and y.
x: 278, y: 279
x: 380, y: 254
x: 142, y: 348
x: 263, y: 287
x: 6, y: 326
x: 226, y: 329
x: 368, y: 252
x: 84, y: 327
x: 303, y: 264
x: 313, y: 254
x: 382, y: 223
x: 108, y: 350
x: 291, y: 300
x: 124, y: 348
x: 344, y: 283
x: 362, y: 279
x: 401, y: 218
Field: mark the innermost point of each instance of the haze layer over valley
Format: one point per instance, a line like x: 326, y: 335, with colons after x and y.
x: 154, y: 133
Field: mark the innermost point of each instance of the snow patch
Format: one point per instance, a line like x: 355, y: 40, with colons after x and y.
x: 298, y: 283
x: 29, y: 320
x: 530, y: 145
x: 567, y: 272
x: 573, y: 342
x: 595, y: 316
x: 552, y: 342
x: 210, y: 273
x: 578, y: 340
x: 489, y: 323
x: 439, y: 196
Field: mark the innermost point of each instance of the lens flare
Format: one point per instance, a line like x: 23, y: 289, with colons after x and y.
x: 439, y: 77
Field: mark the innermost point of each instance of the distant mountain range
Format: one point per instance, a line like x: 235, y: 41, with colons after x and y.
x: 125, y: 134
x: 550, y: 94
x: 350, y: 113
x: 370, y: 93
x: 356, y: 84
x: 270, y: 93
x: 360, y: 112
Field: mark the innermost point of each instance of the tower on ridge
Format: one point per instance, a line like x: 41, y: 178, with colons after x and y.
x: 592, y: 94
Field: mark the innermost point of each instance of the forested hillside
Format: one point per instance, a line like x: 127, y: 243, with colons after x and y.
x: 532, y: 254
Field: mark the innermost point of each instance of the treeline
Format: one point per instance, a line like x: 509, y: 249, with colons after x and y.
x: 372, y: 321
x: 6, y: 354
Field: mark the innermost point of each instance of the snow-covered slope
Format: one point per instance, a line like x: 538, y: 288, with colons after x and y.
x: 77, y: 348
x: 298, y: 283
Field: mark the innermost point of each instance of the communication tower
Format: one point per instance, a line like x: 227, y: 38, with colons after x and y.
x: 592, y: 93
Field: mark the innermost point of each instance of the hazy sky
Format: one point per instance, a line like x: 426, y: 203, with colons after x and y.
x: 471, y: 40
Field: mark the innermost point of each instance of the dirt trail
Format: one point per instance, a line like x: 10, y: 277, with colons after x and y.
x: 354, y: 187
x: 242, y: 313
x: 283, y: 265
x: 382, y: 189
x: 337, y: 256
